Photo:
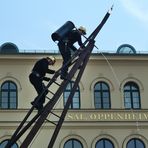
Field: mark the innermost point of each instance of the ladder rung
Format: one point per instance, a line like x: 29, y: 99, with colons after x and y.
x: 55, y: 114
x: 48, y: 98
x: 51, y: 92
x: 56, y: 83
x: 51, y: 122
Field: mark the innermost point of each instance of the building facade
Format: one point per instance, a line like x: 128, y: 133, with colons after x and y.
x: 109, y: 108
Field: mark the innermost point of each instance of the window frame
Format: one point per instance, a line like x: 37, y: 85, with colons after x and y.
x: 104, y: 140
x: 101, y: 92
x: 6, y: 140
x: 73, y: 140
x: 131, y: 98
x: 68, y: 90
x: 8, y: 92
x: 135, y: 141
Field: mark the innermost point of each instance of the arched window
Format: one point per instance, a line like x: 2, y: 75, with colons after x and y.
x: 104, y: 143
x: 73, y: 143
x: 102, y: 96
x: 8, y: 98
x: 76, y: 98
x: 4, y: 143
x: 131, y: 96
x: 126, y: 49
x: 135, y: 143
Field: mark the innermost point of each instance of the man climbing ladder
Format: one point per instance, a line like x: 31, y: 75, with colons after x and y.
x: 37, y: 76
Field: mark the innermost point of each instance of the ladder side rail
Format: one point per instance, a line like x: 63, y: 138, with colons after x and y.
x: 59, y: 125
x: 97, y: 30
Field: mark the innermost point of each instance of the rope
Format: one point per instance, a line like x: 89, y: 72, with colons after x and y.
x: 111, y: 67
x: 118, y: 82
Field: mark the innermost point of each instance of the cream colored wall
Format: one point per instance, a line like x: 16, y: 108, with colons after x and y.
x: 124, y: 68
x: 116, y: 75
x: 121, y: 71
x: 88, y: 135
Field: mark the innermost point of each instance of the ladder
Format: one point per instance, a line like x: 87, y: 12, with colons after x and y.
x: 77, y: 63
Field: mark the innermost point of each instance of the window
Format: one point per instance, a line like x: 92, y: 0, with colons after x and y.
x: 126, y: 49
x: 102, y: 96
x: 76, y: 98
x: 8, y: 98
x: 104, y: 143
x: 73, y: 143
x: 135, y: 143
x: 4, y: 143
x: 131, y: 96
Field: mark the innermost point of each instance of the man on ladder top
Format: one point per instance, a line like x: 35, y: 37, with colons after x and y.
x: 37, y: 76
x: 67, y: 35
x: 66, y: 47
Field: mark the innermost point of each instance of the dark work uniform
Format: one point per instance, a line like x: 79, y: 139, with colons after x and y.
x: 37, y: 76
x: 65, y: 47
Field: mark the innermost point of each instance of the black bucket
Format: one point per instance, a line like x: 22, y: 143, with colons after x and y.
x: 62, y: 31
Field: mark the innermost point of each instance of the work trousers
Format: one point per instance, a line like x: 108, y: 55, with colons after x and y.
x: 39, y: 87
x: 66, y: 55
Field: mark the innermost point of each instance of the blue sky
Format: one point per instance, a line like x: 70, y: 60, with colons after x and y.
x: 30, y: 23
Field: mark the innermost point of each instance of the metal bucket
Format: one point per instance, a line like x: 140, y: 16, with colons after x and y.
x: 62, y: 31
